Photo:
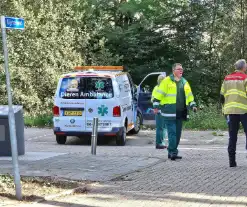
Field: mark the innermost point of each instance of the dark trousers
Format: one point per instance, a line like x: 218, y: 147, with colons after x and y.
x: 234, y: 123
x: 174, y: 130
x: 160, y: 130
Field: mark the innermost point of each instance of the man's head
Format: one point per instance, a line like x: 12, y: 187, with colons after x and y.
x: 240, y: 65
x: 160, y: 78
x: 177, y: 70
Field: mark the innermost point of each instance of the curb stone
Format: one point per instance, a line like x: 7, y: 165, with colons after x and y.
x: 81, y: 189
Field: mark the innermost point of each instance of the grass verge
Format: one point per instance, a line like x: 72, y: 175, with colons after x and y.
x: 38, y: 121
x: 209, y: 118
x: 37, y: 188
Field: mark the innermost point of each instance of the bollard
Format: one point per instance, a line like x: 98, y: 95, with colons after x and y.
x: 94, y: 135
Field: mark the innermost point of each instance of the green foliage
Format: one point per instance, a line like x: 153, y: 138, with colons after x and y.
x: 55, y: 40
x: 6, y: 180
x: 38, y: 121
x: 208, y: 118
x: 207, y: 37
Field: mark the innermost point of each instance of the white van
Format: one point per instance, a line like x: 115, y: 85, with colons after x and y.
x: 97, y: 91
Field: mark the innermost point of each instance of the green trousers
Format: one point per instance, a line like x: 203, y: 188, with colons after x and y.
x: 174, y: 129
x: 161, y: 130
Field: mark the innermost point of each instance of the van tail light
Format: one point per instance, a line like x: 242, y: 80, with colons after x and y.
x: 117, y: 111
x: 55, y: 110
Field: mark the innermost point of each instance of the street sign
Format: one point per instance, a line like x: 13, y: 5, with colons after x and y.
x: 12, y: 23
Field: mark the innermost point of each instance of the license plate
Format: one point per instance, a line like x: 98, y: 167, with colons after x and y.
x: 72, y: 113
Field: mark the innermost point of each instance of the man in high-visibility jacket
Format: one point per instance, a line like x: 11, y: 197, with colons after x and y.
x: 160, y: 126
x: 234, y: 98
x: 174, y: 97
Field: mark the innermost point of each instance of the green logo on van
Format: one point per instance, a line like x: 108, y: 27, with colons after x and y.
x: 99, y: 84
x: 103, y: 110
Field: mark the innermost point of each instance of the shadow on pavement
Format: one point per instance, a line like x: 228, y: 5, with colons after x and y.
x: 102, y: 141
x: 200, y: 177
x: 65, y: 204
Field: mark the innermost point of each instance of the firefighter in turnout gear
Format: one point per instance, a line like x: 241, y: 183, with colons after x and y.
x: 174, y: 97
x: 234, y: 99
x: 160, y: 126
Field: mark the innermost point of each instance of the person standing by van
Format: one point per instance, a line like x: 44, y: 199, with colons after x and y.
x: 161, y: 130
x: 174, y: 97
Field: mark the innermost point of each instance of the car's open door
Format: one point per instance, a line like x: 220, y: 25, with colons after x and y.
x: 144, y: 94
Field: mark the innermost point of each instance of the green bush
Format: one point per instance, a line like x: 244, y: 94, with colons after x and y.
x: 38, y: 121
x: 207, y: 118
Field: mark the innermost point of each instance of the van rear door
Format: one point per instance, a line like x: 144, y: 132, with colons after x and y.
x: 99, y: 96
x: 72, y: 104
x: 144, y: 94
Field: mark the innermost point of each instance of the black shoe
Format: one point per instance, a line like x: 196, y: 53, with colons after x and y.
x: 161, y: 147
x: 174, y: 157
x: 232, y: 160
x: 233, y: 164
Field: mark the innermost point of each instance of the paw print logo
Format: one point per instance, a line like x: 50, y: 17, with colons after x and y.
x: 103, y: 110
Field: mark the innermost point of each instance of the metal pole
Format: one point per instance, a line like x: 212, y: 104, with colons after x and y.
x: 94, y: 135
x: 12, y: 129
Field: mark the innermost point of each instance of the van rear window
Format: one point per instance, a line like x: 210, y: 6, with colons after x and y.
x: 86, y: 88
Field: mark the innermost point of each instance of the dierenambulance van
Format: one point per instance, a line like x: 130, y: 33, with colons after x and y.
x: 105, y: 92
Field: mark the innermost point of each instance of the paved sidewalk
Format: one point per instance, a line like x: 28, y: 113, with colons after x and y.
x: 139, y: 175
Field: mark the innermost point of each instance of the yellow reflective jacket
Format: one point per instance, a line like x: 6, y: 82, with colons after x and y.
x: 234, y: 90
x: 154, y: 91
x: 165, y: 97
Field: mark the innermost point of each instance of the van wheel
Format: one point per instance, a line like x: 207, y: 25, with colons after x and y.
x: 121, y: 138
x: 137, y: 127
x: 61, y: 139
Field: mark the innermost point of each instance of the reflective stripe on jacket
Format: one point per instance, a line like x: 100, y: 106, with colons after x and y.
x: 234, y: 91
x: 166, y: 95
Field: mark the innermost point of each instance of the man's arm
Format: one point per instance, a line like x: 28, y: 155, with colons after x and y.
x: 156, y: 105
x: 153, y: 92
x: 222, y: 96
x: 158, y: 95
x: 191, y: 99
x: 245, y: 85
x: 222, y: 99
x: 222, y: 93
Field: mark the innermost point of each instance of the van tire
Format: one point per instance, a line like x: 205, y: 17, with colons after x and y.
x: 121, y: 138
x: 137, y: 128
x: 61, y: 139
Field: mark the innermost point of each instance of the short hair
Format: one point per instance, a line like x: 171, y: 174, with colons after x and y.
x: 175, y: 65
x: 160, y: 78
x: 240, y: 64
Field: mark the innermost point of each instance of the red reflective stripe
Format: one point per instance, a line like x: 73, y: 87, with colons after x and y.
x: 60, y: 132
x: 236, y: 76
x: 110, y: 134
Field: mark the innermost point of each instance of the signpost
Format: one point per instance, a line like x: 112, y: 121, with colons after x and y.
x: 11, y: 23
